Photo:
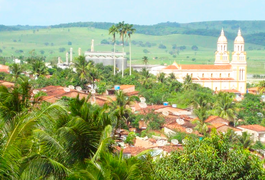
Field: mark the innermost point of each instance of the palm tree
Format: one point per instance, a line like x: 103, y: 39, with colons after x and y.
x: 82, y: 68
x: 172, y: 76
x: 245, y: 140
x: 130, y: 31
x: 113, y: 30
x: 121, y: 108
x: 161, y: 77
x: 122, y: 32
x: 15, y: 70
x: 145, y: 60
x: 202, y: 115
x: 38, y: 67
x: 225, y: 107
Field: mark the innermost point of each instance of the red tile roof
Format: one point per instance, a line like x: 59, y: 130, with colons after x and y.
x: 7, y: 84
x: 254, y: 127
x: 4, y: 68
x: 213, y: 79
x: 187, y: 66
x: 133, y: 150
x: 216, y: 118
x: 199, y: 66
x: 171, y: 67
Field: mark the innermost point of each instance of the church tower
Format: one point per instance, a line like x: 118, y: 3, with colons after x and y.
x: 239, y: 63
x: 222, y: 55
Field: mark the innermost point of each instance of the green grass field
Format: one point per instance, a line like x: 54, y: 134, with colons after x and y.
x: 27, y: 40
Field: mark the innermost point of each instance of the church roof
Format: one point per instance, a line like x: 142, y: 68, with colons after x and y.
x: 198, y: 66
x: 239, y: 39
x: 222, y: 39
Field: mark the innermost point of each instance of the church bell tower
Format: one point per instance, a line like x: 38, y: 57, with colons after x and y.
x: 239, y: 62
x: 222, y: 55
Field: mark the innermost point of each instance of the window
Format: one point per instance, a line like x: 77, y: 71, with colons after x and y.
x: 203, y: 75
x: 228, y: 74
x: 220, y: 75
x: 211, y: 75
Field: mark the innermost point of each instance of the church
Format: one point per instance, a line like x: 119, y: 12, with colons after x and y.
x: 224, y: 74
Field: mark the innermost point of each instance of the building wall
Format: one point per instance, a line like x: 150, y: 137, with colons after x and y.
x: 256, y: 136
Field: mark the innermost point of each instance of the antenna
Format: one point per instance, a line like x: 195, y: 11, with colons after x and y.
x: 174, y: 141
x: 189, y: 130
x: 142, y: 99
x: 142, y: 105
x: 93, y: 91
x: 161, y: 143
x: 35, y: 91
x: 71, y: 87
x: 66, y: 89
x: 180, y: 121
x: 78, y: 88
x: 165, y: 113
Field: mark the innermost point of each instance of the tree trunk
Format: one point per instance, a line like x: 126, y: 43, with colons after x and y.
x: 114, y: 58
x: 130, y: 58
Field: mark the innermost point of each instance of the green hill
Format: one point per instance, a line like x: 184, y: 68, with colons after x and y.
x: 53, y: 42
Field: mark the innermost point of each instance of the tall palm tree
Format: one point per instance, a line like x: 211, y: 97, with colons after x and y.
x: 130, y: 31
x: 145, y: 60
x: 121, y: 108
x: 82, y: 68
x: 113, y: 30
x: 122, y: 32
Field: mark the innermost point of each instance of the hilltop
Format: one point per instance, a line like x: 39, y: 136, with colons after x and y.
x: 161, y: 43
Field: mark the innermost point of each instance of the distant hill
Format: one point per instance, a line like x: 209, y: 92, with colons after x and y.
x: 52, y: 42
x: 7, y: 28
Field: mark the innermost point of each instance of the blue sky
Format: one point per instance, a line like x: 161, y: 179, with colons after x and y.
x: 145, y: 12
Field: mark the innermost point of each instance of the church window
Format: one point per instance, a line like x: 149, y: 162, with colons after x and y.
x: 211, y: 75
x: 220, y: 75
x: 241, y: 48
x: 191, y: 75
x: 228, y: 74
x: 202, y: 74
x: 237, y: 48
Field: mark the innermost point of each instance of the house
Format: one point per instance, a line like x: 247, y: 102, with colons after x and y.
x: 256, y: 131
x: 216, y: 119
x: 174, y: 124
x: 221, y: 127
x: 253, y: 90
x: 4, y: 68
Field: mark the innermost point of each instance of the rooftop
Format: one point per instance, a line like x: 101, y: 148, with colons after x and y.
x: 254, y: 127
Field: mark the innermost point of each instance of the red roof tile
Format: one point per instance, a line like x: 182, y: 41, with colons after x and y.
x: 4, y: 68
x: 254, y: 127
x: 197, y: 66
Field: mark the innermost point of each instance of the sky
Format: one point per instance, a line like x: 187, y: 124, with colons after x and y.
x: 143, y: 12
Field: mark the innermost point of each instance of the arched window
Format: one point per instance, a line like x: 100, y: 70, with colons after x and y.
x: 191, y: 75
x: 228, y: 74
x: 241, y: 47
x: 211, y: 75
x: 220, y: 75
x: 238, y: 48
x: 203, y: 75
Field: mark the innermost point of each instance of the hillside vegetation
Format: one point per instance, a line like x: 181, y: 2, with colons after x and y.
x: 161, y: 43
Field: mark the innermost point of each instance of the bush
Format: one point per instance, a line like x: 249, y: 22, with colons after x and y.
x: 61, y: 49
x: 162, y: 46
x: 130, y: 138
x: 69, y: 43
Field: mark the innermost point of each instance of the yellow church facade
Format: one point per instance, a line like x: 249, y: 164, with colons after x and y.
x: 224, y: 74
